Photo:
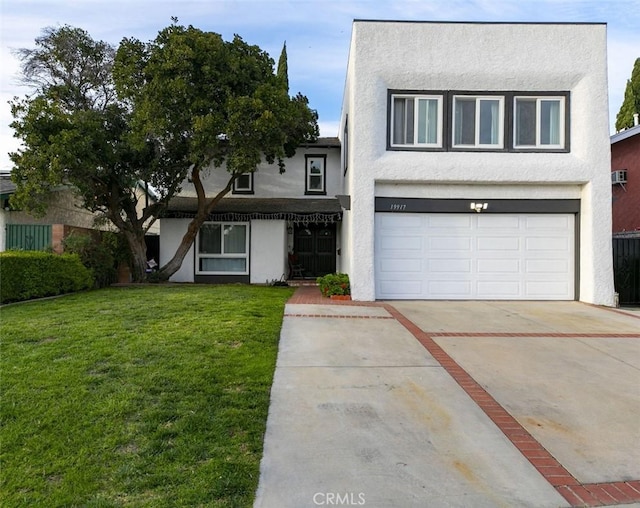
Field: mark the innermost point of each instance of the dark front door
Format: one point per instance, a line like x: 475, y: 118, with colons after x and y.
x: 315, y: 248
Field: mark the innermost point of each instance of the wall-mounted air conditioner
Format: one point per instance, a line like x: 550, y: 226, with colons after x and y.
x: 619, y: 176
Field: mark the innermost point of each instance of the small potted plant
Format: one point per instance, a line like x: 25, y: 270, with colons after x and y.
x: 335, y: 286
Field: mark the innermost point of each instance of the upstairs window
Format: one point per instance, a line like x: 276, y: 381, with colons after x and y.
x: 539, y: 122
x: 315, y: 174
x: 478, y: 122
x: 243, y: 184
x: 416, y: 120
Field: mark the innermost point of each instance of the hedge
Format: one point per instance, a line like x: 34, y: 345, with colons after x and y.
x: 35, y: 274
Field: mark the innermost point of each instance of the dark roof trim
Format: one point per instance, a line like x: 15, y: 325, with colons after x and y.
x: 327, y: 142
x: 245, y: 209
x: 431, y: 22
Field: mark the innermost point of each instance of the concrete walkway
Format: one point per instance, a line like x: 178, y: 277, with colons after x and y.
x: 443, y: 404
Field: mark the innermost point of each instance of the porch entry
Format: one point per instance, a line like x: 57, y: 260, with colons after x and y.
x: 314, y: 246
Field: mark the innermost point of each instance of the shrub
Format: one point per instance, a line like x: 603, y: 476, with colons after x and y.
x: 97, y: 254
x: 34, y: 274
x: 334, y: 284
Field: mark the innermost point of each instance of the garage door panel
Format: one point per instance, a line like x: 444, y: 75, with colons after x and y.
x: 546, y: 289
x: 502, y: 222
x: 498, y: 266
x: 408, y: 290
x: 508, y: 289
x: 449, y: 243
x: 401, y: 243
x: 402, y: 265
x: 449, y: 222
x: 404, y: 220
x: 498, y: 243
x: 547, y: 265
x: 474, y: 256
x: 548, y: 222
x: 448, y: 265
x: 548, y: 243
x: 449, y: 289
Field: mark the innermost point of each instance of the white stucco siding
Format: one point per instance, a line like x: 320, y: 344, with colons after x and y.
x: 268, y: 251
x: 171, y: 233
x: 481, y: 57
x: 269, y: 183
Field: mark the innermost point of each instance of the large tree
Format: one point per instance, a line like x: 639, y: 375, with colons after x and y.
x: 161, y: 112
x: 75, y: 132
x: 205, y: 103
x: 631, y: 102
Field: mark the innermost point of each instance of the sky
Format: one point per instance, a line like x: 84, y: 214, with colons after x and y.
x: 317, y: 33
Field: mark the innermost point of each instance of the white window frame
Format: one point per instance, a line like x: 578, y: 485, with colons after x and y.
x: 323, y: 173
x: 562, y: 127
x: 416, y: 98
x: 478, y: 101
x: 223, y: 255
x: 243, y: 190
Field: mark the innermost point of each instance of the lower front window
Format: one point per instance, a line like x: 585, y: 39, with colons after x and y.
x: 223, y: 249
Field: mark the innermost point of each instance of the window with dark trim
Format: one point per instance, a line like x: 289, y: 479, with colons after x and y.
x: 539, y: 122
x: 243, y: 184
x: 478, y: 121
x: 223, y: 248
x: 514, y: 121
x: 416, y: 120
x: 315, y: 174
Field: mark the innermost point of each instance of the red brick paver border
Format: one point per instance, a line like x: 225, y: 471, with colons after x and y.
x: 576, y: 493
x: 537, y: 334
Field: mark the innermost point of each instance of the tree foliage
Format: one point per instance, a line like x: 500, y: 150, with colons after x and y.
x: 283, y: 67
x: 75, y: 132
x: 631, y: 101
x: 205, y: 103
x: 161, y: 112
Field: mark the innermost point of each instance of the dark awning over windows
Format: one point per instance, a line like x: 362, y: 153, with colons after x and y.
x: 239, y: 209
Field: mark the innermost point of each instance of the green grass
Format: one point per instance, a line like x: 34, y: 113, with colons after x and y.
x: 137, y: 396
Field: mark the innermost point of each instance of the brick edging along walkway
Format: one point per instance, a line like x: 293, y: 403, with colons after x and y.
x: 576, y: 493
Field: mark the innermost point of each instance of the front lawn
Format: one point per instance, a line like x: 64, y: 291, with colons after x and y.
x: 137, y: 396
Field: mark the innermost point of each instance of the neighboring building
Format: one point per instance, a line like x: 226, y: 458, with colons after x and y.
x: 268, y: 219
x: 625, y: 182
x: 477, y: 162
x: 20, y: 230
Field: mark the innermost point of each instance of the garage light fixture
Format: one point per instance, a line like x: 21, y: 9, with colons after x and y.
x: 478, y: 207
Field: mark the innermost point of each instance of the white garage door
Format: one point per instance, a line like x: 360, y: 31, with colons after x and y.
x: 474, y: 256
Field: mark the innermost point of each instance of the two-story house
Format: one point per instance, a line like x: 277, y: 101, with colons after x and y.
x: 267, y: 220
x: 473, y: 163
x: 477, y: 162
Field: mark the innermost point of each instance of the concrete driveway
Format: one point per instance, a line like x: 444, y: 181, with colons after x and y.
x: 444, y: 404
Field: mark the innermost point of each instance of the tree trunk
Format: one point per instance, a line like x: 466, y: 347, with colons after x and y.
x: 138, y: 249
x: 204, y: 209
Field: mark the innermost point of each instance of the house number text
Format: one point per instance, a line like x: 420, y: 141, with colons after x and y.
x: 397, y: 207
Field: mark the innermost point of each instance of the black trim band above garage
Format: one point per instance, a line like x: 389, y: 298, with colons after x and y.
x: 427, y: 205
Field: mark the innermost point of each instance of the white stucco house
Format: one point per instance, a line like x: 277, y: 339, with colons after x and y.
x: 267, y: 217
x: 473, y: 163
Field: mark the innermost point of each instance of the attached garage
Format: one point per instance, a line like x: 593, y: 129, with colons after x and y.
x: 475, y: 256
